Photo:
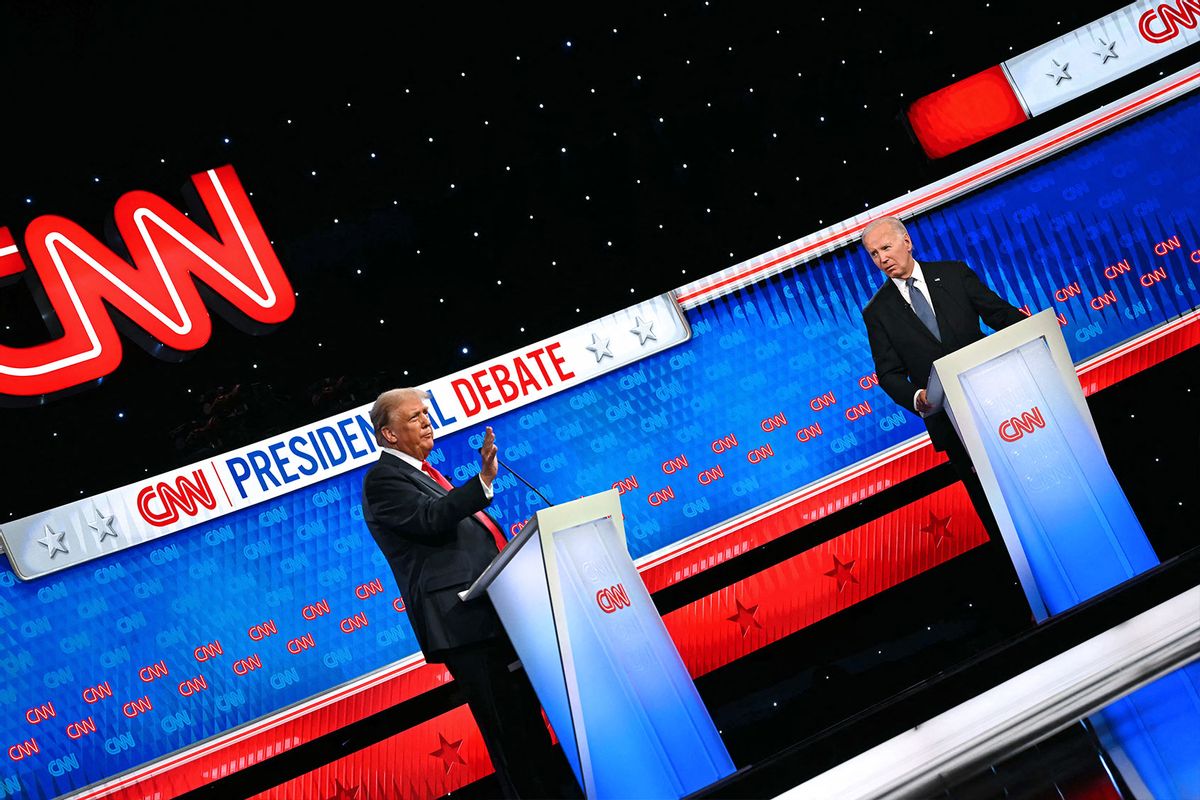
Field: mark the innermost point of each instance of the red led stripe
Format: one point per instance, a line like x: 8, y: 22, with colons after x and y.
x: 431, y: 759
x: 11, y: 262
x: 860, y: 563
x: 965, y: 112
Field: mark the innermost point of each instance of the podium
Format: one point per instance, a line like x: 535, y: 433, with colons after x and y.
x: 1016, y: 403
x: 599, y: 656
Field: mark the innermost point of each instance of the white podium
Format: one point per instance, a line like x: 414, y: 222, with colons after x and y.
x: 1016, y: 403
x: 1015, y: 400
x: 599, y: 657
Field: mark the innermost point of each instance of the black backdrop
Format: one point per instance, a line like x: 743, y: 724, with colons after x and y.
x: 737, y: 127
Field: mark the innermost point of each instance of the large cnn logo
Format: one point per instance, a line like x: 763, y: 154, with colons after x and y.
x: 76, y: 275
x: 1162, y: 24
x: 1013, y: 429
x: 160, y: 503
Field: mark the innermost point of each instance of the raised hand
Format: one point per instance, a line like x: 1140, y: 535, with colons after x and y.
x: 488, y: 457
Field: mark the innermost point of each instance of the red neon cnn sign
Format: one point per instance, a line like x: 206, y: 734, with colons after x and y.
x: 157, y: 293
x: 1185, y: 13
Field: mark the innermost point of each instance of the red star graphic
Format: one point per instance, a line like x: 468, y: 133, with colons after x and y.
x: 345, y: 792
x: 448, y: 752
x: 745, y: 617
x: 842, y: 573
x: 939, y: 528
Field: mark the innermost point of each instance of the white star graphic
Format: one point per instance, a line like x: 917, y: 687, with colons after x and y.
x: 1108, y: 50
x: 1062, y: 74
x: 102, y: 525
x: 599, y: 348
x: 644, y: 331
x: 53, y: 541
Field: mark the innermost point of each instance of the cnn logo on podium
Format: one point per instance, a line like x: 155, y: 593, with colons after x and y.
x: 1027, y: 422
x: 612, y: 599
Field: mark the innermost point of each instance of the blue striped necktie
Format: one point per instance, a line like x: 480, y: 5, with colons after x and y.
x: 924, y: 311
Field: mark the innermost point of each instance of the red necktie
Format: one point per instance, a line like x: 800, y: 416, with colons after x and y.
x: 483, y: 518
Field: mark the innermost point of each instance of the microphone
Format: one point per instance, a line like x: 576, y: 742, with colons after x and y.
x: 517, y: 475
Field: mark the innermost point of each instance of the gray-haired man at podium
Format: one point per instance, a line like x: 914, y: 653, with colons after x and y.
x: 438, y: 541
x: 923, y: 312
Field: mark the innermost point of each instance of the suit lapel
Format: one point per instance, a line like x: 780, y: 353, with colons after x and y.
x: 938, y: 296
x: 945, y: 303
x: 417, y: 476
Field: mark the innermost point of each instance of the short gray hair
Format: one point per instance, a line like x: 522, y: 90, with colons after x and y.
x: 381, y: 411
x: 896, y: 224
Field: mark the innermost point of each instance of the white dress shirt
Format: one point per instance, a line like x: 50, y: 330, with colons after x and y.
x: 902, y: 285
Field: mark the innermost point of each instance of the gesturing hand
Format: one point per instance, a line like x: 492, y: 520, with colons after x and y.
x: 488, y: 457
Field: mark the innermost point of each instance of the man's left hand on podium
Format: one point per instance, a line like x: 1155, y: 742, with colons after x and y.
x: 921, y: 403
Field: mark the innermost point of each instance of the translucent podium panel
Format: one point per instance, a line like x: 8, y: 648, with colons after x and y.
x: 647, y: 732
x: 1073, y: 520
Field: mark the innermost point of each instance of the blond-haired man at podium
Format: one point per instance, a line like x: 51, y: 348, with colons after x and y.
x: 438, y: 541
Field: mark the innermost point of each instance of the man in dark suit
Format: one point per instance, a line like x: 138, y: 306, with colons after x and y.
x: 438, y: 541
x: 920, y: 314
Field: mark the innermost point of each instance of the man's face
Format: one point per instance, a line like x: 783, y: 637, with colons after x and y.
x: 891, y: 251
x: 409, y: 430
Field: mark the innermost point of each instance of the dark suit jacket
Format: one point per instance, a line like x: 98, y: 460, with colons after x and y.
x: 903, y: 348
x: 436, y: 548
